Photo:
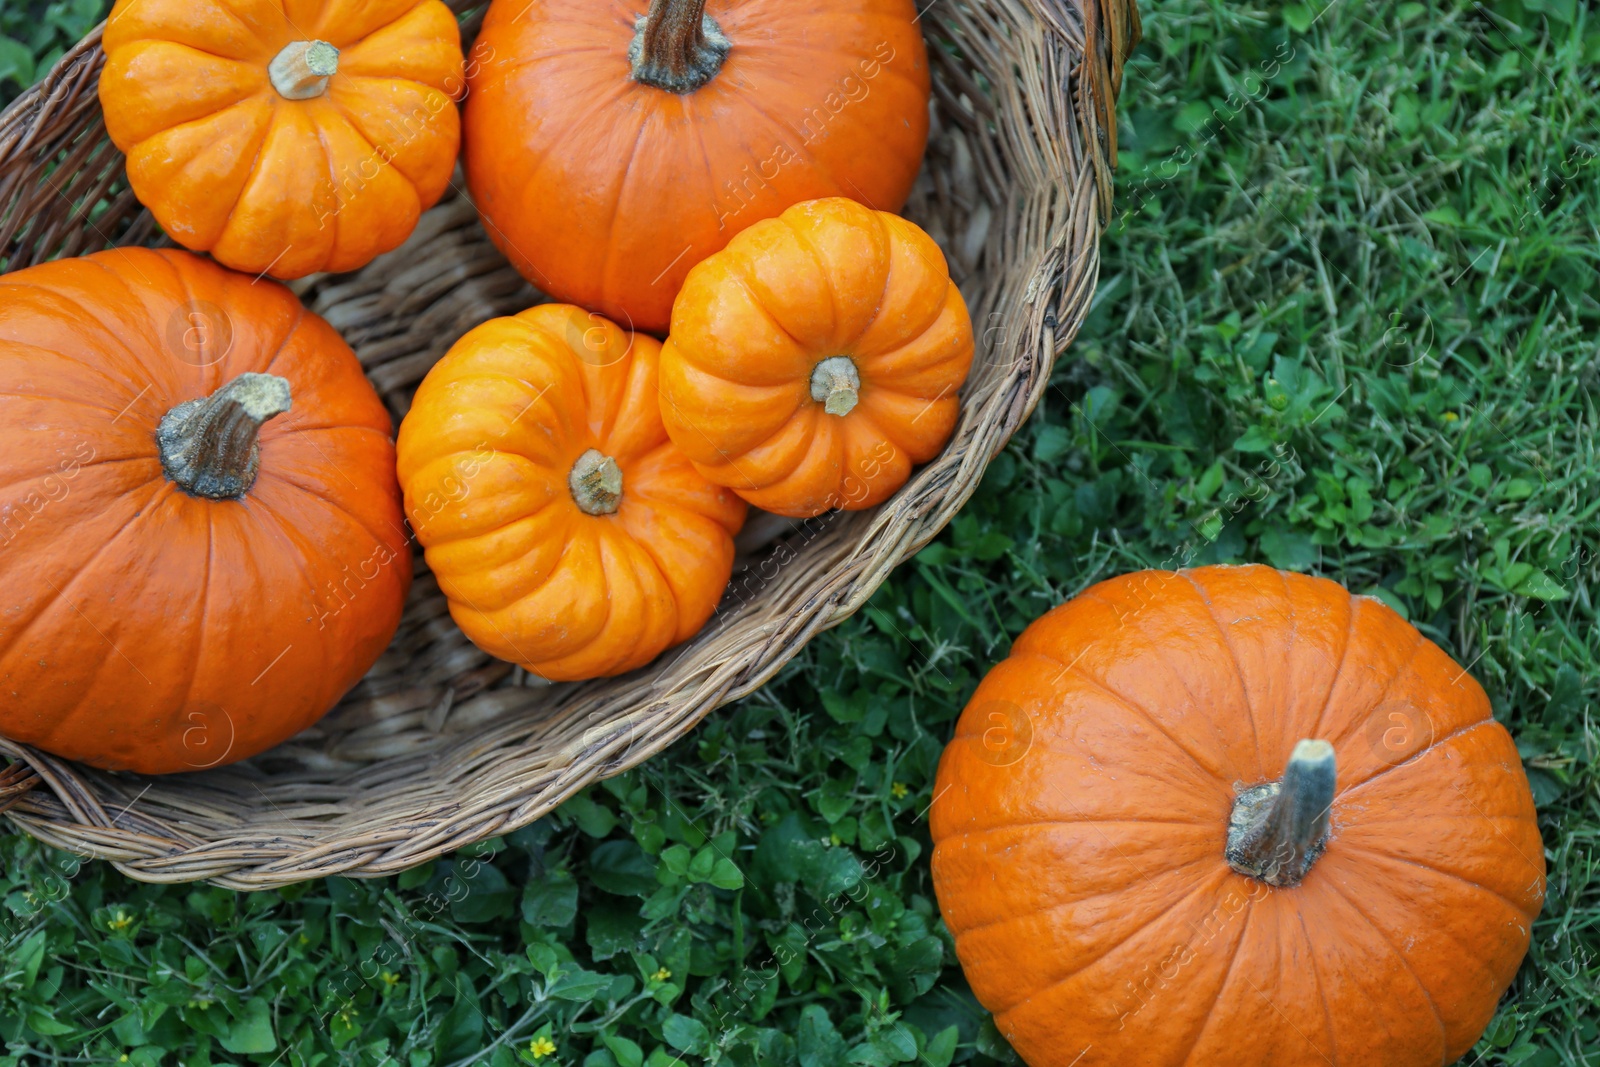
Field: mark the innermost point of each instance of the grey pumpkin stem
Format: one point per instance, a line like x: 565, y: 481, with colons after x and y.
x: 210, y: 446
x: 677, y: 47
x: 596, y: 483
x: 301, y: 71
x: 836, y: 385
x: 1278, y: 829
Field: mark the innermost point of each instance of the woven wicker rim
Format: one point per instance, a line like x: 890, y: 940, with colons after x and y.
x: 440, y: 746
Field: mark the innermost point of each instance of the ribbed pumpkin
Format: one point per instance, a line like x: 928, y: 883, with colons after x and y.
x: 201, y: 546
x: 1234, y: 816
x: 816, y: 359
x: 285, y: 136
x: 567, y: 532
x: 610, y: 153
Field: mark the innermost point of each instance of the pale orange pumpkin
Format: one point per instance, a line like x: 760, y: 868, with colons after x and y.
x: 568, y: 533
x: 1234, y: 817
x: 817, y: 359
x: 285, y: 136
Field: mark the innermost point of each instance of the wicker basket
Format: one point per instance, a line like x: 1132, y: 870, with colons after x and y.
x: 440, y: 745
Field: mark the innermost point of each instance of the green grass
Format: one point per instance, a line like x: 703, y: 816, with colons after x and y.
x: 1347, y: 324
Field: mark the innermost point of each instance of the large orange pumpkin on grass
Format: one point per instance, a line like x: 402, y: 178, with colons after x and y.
x: 285, y: 136
x: 201, y: 546
x: 610, y: 153
x: 1234, y: 816
x: 566, y: 530
x: 816, y: 359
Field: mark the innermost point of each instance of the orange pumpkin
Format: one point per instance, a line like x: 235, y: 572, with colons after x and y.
x: 568, y: 533
x: 608, y: 154
x: 285, y: 136
x: 816, y: 359
x: 1234, y: 816
x: 202, y: 541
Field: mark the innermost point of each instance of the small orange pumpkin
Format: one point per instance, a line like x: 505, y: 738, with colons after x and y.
x: 567, y: 532
x: 1234, y: 817
x: 285, y: 137
x: 816, y: 359
x: 609, y: 153
x: 201, y: 546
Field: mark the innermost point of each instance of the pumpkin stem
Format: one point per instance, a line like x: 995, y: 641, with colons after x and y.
x: 1278, y: 829
x: 836, y: 385
x: 677, y: 46
x: 301, y: 71
x: 596, y: 483
x: 209, y: 445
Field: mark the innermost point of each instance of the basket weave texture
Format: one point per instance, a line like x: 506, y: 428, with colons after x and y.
x: 440, y: 745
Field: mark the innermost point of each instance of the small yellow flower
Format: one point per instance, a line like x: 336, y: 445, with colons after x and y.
x: 121, y: 922
x: 122, y: 1058
x: 1451, y: 416
x: 389, y: 978
x: 899, y: 790
x: 835, y: 839
x: 662, y: 975
x: 542, y: 1047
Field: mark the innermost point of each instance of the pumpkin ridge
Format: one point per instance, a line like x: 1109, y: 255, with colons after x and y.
x: 742, y: 277
x: 1137, y: 930
x: 1238, y: 667
x: 787, y: 131
x: 295, y: 552
x: 613, y: 558
x: 1209, y: 1014
x: 339, y: 200
x: 777, y: 477
x: 1026, y: 824
x: 73, y: 361
x: 525, y: 60
x: 319, y: 32
x: 821, y: 265
x: 360, y: 132
x: 192, y: 661
x: 1444, y: 1037
x: 251, y: 32
x: 287, y: 430
x: 283, y: 345
x: 580, y: 120
x: 1415, y: 756
x: 1182, y: 678
x: 1453, y: 876
x: 1338, y: 671
x: 573, y: 529
x: 148, y: 94
x: 1058, y: 905
x: 1316, y: 978
x: 48, y: 399
x: 114, y: 334
x: 61, y: 590
x: 284, y: 531
x: 1286, y: 732
x: 1401, y: 667
x: 210, y: 374
x: 331, y: 504
x: 610, y: 255
x: 83, y: 467
x: 132, y: 296
x: 1214, y: 772
x: 260, y: 140
x: 488, y: 617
